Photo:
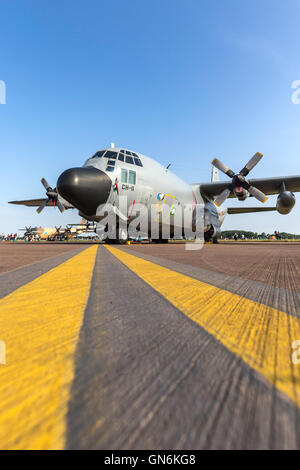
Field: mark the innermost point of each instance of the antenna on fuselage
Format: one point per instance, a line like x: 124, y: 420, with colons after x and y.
x: 167, y: 167
x: 112, y: 145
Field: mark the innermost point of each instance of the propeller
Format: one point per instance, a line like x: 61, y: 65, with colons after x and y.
x: 239, y: 180
x: 52, y: 196
x: 27, y: 229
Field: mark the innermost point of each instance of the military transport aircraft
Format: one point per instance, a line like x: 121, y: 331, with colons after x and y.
x: 60, y: 233
x: 115, y: 172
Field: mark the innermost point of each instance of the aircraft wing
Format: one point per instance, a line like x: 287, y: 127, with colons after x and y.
x: 266, y: 185
x: 247, y: 210
x: 39, y: 202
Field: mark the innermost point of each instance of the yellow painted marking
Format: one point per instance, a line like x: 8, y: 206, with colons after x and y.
x: 159, y: 206
x: 266, y: 198
x: 262, y: 336
x: 40, y: 324
x: 213, y: 161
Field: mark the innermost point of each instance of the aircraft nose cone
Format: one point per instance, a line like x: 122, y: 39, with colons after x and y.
x: 85, y: 188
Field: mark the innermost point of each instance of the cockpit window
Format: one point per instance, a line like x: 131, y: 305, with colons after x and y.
x: 110, y: 165
x: 129, y: 159
x: 137, y: 161
x: 99, y: 154
x: 123, y: 155
x: 110, y: 154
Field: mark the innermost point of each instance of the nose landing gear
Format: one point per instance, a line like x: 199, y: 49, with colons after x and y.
x: 121, y: 237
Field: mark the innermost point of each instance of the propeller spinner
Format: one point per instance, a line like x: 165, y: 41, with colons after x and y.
x: 239, y: 181
x: 52, y: 196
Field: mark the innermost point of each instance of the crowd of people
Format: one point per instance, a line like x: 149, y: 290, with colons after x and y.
x: 241, y: 236
x: 14, y: 237
x: 277, y: 235
x: 10, y: 237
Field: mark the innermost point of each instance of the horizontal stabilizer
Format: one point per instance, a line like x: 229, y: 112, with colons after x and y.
x: 247, y: 210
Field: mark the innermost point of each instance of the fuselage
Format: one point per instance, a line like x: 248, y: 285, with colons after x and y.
x: 116, y: 174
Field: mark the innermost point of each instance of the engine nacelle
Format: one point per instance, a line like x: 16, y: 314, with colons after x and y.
x: 285, y: 202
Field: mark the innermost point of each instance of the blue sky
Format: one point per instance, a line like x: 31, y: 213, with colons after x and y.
x: 180, y: 81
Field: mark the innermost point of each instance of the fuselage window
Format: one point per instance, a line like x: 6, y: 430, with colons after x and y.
x: 124, y: 175
x: 110, y: 168
x: 128, y: 152
x: 121, y: 157
x: 129, y: 159
x: 137, y: 161
x: 132, y: 177
x: 110, y: 154
x: 111, y: 162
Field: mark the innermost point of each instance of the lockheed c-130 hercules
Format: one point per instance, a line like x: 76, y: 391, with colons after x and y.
x: 113, y: 173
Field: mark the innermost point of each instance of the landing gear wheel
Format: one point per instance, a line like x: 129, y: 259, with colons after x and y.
x: 110, y: 241
x: 123, y: 236
x: 159, y: 240
x: 209, y: 235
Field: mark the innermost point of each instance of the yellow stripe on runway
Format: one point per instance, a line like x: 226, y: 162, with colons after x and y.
x: 262, y: 336
x: 40, y: 324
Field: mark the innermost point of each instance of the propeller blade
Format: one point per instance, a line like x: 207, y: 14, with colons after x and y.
x: 223, y: 196
x: 251, y: 164
x: 42, y: 206
x: 222, y: 167
x: 46, y: 184
x: 259, y: 195
x: 60, y: 206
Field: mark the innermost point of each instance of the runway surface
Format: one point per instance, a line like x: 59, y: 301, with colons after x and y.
x: 150, y: 347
